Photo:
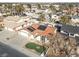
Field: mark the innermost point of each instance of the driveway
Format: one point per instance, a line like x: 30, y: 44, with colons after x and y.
x: 16, y: 41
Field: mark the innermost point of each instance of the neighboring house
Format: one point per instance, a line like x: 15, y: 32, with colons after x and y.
x: 13, y: 22
x: 34, y: 7
x: 12, y: 18
x: 10, y: 21
x: 26, y: 8
x: 33, y: 15
x: 65, y: 11
x: 39, y: 11
x: 55, y: 17
x: 9, y: 25
x: 47, y: 17
x: 56, y: 6
x: 48, y: 11
x: 75, y: 19
x: 44, y: 6
x: 37, y: 31
x: 70, y: 30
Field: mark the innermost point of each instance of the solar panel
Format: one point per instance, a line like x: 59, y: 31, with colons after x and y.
x: 31, y: 29
x: 42, y: 27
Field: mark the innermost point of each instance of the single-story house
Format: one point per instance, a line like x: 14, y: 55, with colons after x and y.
x: 70, y: 30
x: 42, y: 30
x: 36, y: 31
x: 75, y: 19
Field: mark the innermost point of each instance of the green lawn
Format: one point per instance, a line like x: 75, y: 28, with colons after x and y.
x: 36, y: 47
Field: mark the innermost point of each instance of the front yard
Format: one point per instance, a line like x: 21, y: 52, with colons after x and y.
x: 35, y: 47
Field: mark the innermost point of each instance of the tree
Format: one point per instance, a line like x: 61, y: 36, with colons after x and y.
x: 67, y: 6
x: 52, y: 8
x: 65, y: 19
x: 1, y: 24
x: 39, y: 6
x: 0, y: 4
x: 8, y: 8
x: 62, y: 7
x: 61, y: 45
x: 70, y: 7
x: 29, y: 6
x: 19, y: 8
x: 42, y: 17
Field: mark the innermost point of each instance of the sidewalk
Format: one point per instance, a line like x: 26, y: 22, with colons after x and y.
x: 17, y: 42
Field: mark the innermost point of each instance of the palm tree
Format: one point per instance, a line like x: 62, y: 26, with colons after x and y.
x: 39, y: 6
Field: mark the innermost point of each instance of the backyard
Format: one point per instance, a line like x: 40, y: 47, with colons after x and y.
x: 35, y: 47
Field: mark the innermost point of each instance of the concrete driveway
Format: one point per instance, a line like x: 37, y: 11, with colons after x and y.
x: 16, y: 41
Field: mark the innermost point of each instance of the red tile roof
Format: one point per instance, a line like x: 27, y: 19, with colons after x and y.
x: 48, y: 31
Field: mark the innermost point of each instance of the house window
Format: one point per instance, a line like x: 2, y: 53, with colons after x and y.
x: 71, y: 34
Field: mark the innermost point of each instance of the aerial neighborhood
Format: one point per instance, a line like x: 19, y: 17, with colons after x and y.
x: 40, y: 29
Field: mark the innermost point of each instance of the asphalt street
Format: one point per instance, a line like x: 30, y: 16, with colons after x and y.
x: 7, y: 51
